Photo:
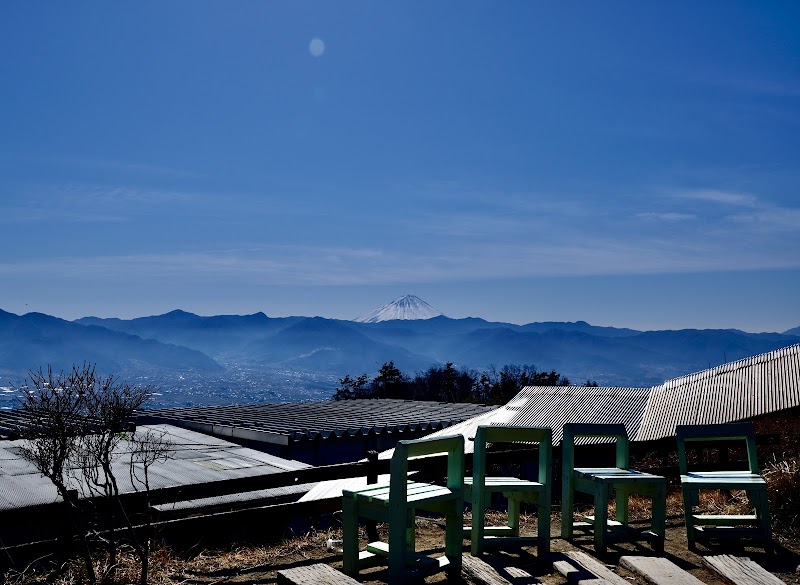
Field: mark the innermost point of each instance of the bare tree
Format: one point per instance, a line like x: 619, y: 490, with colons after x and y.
x: 56, y: 408
x: 77, y: 424
x: 148, y: 447
x: 111, y: 405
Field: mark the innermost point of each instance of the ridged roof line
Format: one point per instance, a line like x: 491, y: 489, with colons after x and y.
x: 731, y: 366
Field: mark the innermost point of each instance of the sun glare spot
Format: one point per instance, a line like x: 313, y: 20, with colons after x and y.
x: 316, y: 47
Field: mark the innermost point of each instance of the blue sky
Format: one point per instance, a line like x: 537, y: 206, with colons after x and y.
x: 625, y: 163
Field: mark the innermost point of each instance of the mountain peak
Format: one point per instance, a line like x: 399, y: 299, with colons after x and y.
x: 407, y: 307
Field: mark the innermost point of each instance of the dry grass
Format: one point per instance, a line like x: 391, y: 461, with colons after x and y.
x: 167, y: 568
x: 783, y: 487
x: 218, y: 566
x: 711, y: 502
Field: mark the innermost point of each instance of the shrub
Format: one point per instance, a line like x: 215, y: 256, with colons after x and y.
x: 783, y: 486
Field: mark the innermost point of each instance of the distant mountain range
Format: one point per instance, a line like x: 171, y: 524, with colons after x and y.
x: 178, y: 343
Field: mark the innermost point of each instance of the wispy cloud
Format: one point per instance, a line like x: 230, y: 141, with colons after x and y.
x: 127, y: 167
x: 719, y: 196
x: 668, y: 216
x: 92, y: 203
x: 776, y: 218
x: 775, y: 88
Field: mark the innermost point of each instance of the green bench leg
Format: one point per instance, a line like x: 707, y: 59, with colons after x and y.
x: 660, y: 515
x: 477, y: 531
x: 623, y: 501
x: 689, y: 496
x: 600, y: 517
x: 567, y: 508
x: 543, y: 523
x: 761, y: 502
x: 349, y: 536
x: 399, y: 542
x: 513, y: 515
x: 453, y: 542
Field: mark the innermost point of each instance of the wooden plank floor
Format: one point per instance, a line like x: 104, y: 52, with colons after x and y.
x: 595, y: 567
x: 740, y: 570
x: 318, y: 574
x: 659, y: 571
x: 479, y: 571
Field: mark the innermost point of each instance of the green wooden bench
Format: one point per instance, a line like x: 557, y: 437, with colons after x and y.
x: 602, y: 483
x: 479, y: 488
x: 396, y: 502
x: 750, y: 481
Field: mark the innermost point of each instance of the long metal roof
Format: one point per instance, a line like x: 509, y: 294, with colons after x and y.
x: 736, y: 391
x: 194, y: 458
x: 285, y: 422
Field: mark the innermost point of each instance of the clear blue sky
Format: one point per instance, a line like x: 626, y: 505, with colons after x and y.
x: 625, y: 163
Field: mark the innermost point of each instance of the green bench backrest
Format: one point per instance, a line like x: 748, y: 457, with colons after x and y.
x: 612, y: 431
x: 509, y: 434
x: 452, y: 445
x: 724, y: 432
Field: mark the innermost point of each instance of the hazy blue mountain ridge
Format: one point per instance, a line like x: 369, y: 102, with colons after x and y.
x: 252, y: 356
x: 328, y: 345
x: 35, y: 340
x: 220, y: 336
x: 609, y: 355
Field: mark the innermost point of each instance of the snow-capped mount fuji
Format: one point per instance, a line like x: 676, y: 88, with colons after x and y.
x: 408, y: 307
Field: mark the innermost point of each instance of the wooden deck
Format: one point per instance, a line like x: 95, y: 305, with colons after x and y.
x: 576, y: 567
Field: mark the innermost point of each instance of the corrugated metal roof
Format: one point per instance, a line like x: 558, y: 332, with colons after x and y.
x: 731, y: 392
x: 554, y: 406
x: 284, y: 422
x: 196, y: 458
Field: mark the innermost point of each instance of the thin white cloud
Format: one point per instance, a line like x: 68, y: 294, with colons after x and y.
x: 127, y: 166
x: 669, y: 216
x: 92, y: 203
x: 454, y: 194
x: 777, y: 218
x: 760, y: 86
x: 116, y: 196
x: 719, y: 196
